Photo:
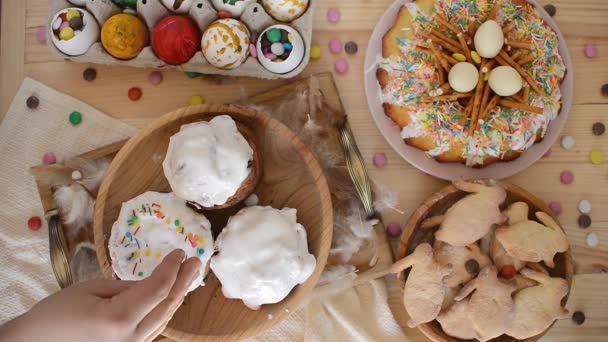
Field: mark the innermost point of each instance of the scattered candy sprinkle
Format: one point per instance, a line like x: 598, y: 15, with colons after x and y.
x: 252, y: 200
x: 590, y: 51
x: 193, y: 75
x: 274, y: 35
x: 567, y: 142
x: 75, y: 118
x: 89, y: 74
x: 605, y: 90
x: 598, y: 129
x: 41, y: 35
x: 379, y: 160
x: 196, y: 100
x: 459, y: 57
x: 155, y: 78
x: 566, y: 177
x: 277, y: 49
x: 592, y: 240
x: 584, y: 206
x: 135, y: 94
x: 393, y: 230
x: 253, y: 51
x: 76, y: 175
x: 335, y: 46
x: 550, y: 9
x: 508, y: 272
x: 584, y: 221
x: 334, y: 15
x: 341, y: 66
x: 224, y: 15
x: 578, y: 318
x: 596, y: 157
x: 315, y: 52
x: 548, y: 153
x: 32, y: 102
x: 34, y: 223
x: 476, y: 57
x: 556, y: 208
x: 351, y: 48
x: 472, y: 266
x: 49, y: 158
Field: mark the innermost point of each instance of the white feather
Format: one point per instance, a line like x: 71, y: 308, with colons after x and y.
x: 92, y: 171
x: 386, y: 199
x: 351, y: 232
x: 335, y: 279
x: 75, y: 206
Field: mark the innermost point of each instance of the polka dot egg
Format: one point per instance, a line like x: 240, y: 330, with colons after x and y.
x: 225, y: 43
x: 285, y: 11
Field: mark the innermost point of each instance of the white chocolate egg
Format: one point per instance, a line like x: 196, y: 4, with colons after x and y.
x: 505, y: 81
x: 235, y: 7
x: 81, y: 41
x: 79, y: 2
x: 489, y: 39
x: 285, y: 10
x: 178, y: 6
x: 289, y: 38
x: 225, y: 43
x: 463, y: 77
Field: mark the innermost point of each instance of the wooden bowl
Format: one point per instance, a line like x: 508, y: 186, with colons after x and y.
x: 439, y: 203
x: 291, y: 177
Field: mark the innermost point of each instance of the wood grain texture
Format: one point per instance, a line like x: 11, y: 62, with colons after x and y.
x: 291, y: 178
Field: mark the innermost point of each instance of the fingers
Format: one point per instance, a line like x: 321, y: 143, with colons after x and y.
x: 158, y: 318
x: 106, y: 288
x: 141, y: 298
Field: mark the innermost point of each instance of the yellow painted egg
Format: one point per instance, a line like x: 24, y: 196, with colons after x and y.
x: 285, y: 11
x: 124, y: 36
x: 225, y: 43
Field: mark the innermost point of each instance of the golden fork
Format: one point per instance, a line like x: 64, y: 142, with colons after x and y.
x: 58, y: 248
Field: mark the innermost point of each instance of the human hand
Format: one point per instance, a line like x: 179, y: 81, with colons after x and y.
x: 109, y: 310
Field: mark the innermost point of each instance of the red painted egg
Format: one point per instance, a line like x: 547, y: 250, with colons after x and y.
x: 176, y: 39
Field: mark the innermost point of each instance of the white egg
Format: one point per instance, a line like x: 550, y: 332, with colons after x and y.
x: 79, y: 2
x: 236, y: 10
x: 225, y: 43
x: 463, y: 77
x: 285, y: 11
x: 489, y: 39
x: 296, y: 55
x: 81, y: 42
x: 505, y: 81
x: 178, y: 6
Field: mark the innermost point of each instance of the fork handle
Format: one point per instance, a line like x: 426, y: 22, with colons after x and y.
x: 357, y: 170
x: 57, y: 250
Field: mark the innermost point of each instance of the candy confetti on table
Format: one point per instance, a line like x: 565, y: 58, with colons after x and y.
x: 335, y: 46
x: 605, y: 90
x: 135, y: 94
x: 590, y: 50
x: 578, y: 317
x: 394, y: 230
x: 508, y: 272
x: 333, y: 15
x: 567, y: 142
x: 351, y: 48
x: 155, y: 78
x: 193, y: 75
x: 598, y: 129
x: 253, y: 51
x: 76, y: 175
x: 596, y: 157
x: 34, y: 223
x: 592, y: 240
x: 315, y: 52
x: 252, y: 200
x: 49, y: 158
x: 89, y: 74
x: 196, y: 100
x: 556, y: 208
x: 32, y: 102
x: 584, y: 206
x: 341, y: 66
x: 75, y: 118
x: 584, y: 221
x: 550, y: 9
x: 41, y: 35
x: 379, y: 160
x: 566, y: 177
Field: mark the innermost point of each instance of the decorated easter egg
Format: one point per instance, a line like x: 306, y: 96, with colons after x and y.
x: 78, y: 2
x: 463, y: 77
x: 126, y: 3
x: 285, y: 11
x: 235, y: 7
x: 489, y: 39
x: 280, y: 49
x: 176, y: 39
x: 505, y: 81
x: 178, y: 6
x: 124, y: 36
x: 225, y: 43
x: 74, y: 36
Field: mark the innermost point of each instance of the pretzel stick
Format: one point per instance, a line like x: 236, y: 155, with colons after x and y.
x: 489, y: 65
x: 441, y: 74
x: 491, y: 105
x: 444, y: 89
x: 451, y: 97
x: 447, y: 46
x: 492, y: 14
x: 526, y: 93
x: 483, y: 103
x: 476, y: 100
x: 516, y: 55
x: 509, y: 27
x: 520, y: 106
x: 440, y: 36
x: 465, y: 47
x: 517, y: 98
x: 449, y: 58
x: 466, y: 113
x: 442, y: 21
x: 471, y: 29
x: 503, y: 57
x: 527, y: 45
x: 526, y: 60
x: 439, y: 56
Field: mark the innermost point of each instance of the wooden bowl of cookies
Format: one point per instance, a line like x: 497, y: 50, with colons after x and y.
x: 289, y: 177
x: 462, y: 265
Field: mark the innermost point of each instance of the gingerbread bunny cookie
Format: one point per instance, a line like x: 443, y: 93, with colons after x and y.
x: 425, y: 286
x: 466, y: 261
x: 536, y: 307
x: 471, y: 218
x: 490, y: 307
x: 455, y: 321
x: 515, y: 213
x: 532, y: 241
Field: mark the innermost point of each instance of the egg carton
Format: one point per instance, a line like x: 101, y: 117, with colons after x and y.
x: 203, y: 13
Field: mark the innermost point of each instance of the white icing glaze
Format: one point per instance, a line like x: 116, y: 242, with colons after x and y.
x: 263, y: 254
x: 207, y: 162
x: 162, y: 223
x: 225, y: 43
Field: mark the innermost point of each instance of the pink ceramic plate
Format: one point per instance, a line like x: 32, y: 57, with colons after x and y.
x: 450, y: 171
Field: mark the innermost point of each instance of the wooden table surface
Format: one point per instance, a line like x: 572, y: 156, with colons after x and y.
x: 581, y: 21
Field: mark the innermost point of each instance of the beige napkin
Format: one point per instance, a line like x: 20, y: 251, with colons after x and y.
x: 26, y: 275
